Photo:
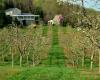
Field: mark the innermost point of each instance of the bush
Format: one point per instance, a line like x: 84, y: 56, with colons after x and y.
x: 64, y: 22
x: 2, y: 15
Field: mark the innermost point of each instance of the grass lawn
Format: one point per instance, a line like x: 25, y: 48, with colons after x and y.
x: 45, y: 73
x: 56, y: 55
x: 6, y: 72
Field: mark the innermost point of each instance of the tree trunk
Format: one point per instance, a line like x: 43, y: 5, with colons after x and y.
x: 91, y: 66
x: 92, y: 55
x: 12, y: 57
x: 2, y: 57
x: 77, y: 61
x: 33, y: 61
x: 27, y: 59
x: 73, y: 63
x: 83, y: 60
x: 99, y: 59
x: 12, y: 60
x: 20, y: 60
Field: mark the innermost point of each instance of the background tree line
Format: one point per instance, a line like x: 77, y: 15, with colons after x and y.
x: 71, y: 12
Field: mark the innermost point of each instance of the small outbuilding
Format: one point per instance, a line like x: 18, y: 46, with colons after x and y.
x: 58, y: 19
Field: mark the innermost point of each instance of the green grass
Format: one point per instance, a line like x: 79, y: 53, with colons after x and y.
x: 46, y: 73
x: 44, y: 30
x: 7, y: 71
x: 56, y: 55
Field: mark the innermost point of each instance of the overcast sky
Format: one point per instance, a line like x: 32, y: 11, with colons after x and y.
x: 91, y: 4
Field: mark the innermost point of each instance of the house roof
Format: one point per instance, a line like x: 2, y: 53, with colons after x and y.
x: 26, y: 14
x: 11, y: 9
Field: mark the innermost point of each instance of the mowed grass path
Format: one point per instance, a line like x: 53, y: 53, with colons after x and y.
x: 56, y: 55
x: 46, y: 73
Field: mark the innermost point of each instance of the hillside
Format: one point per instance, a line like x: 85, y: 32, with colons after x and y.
x: 69, y: 50
x: 72, y: 13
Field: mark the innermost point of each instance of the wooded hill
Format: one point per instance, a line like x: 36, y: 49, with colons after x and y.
x: 71, y: 12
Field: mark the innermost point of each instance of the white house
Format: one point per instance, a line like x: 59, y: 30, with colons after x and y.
x: 12, y: 11
x: 23, y: 18
x: 27, y: 18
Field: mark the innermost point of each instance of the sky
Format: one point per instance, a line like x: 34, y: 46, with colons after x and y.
x: 90, y: 4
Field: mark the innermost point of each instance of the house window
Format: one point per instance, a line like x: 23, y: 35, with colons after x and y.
x: 36, y: 18
x: 32, y: 17
x: 20, y: 17
x: 27, y: 17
